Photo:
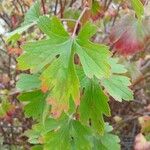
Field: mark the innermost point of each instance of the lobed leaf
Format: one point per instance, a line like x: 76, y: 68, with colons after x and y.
x: 94, y: 105
x: 93, y: 57
x: 30, y: 19
x: 35, y: 103
x: 56, y: 57
x: 106, y: 142
x: 116, y: 67
x: 117, y: 87
x: 71, y: 135
x: 28, y: 82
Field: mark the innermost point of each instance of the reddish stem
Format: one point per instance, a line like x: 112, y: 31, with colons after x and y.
x: 43, y: 6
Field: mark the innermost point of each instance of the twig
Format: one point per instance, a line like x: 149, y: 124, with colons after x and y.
x: 140, y: 79
x: 71, y: 3
x: 43, y: 6
x: 3, y: 51
x: 78, y: 21
x: 108, y: 5
x: 16, y: 7
x: 105, y: 3
x: 146, y: 2
x: 146, y: 67
x: 61, y: 9
x: 6, y: 20
x: 114, y: 20
x: 22, y: 10
x: 56, y: 5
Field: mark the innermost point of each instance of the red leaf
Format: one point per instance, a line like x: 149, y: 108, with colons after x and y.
x: 128, y: 36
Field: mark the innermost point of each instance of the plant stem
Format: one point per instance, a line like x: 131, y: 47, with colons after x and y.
x: 56, y: 5
x: 43, y: 6
x: 78, y: 21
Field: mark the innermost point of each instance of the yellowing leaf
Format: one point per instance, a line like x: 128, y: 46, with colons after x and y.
x: 56, y: 57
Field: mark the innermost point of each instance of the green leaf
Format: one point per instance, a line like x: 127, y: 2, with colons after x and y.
x: 56, y: 57
x: 138, y: 7
x: 117, y: 87
x: 115, y: 67
x: 87, y: 31
x: 37, y: 147
x: 13, y: 39
x: 35, y: 103
x: 94, y: 105
x: 93, y: 57
x: 63, y: 82
x: 52, y: 27
x: 30, y: 19
x: 39, y: 130
x: 28, y: 82
x: 106, y: 142
x: 33, y: 13
x: 71, y: 135
x: 58, y: 73
x: 45, y: 51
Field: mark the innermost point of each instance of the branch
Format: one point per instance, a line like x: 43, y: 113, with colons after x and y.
x: 56, y: 5
x: 146, y: 67
x: 78, y: 21
x: 110, y: 1
x: 43, y: 6
x: 2, y: 50
x: 21, y: 6
x: 114, y: 20
x: 7, y: 20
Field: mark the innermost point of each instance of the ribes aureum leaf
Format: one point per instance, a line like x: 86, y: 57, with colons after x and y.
x: 116, y: 67
x: 28, y: 82
x: 56, y: 57
x: 63, y: 82
x: 71, y: 135
x: 39, y: 130
x: 117, y: 87
x: 108, y: 141
x: 34, y: 103
x: 45, y: 51
x: 117, y: 84
x: 94, y: 105
x: 93, y: 57
x: 30, y: 19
